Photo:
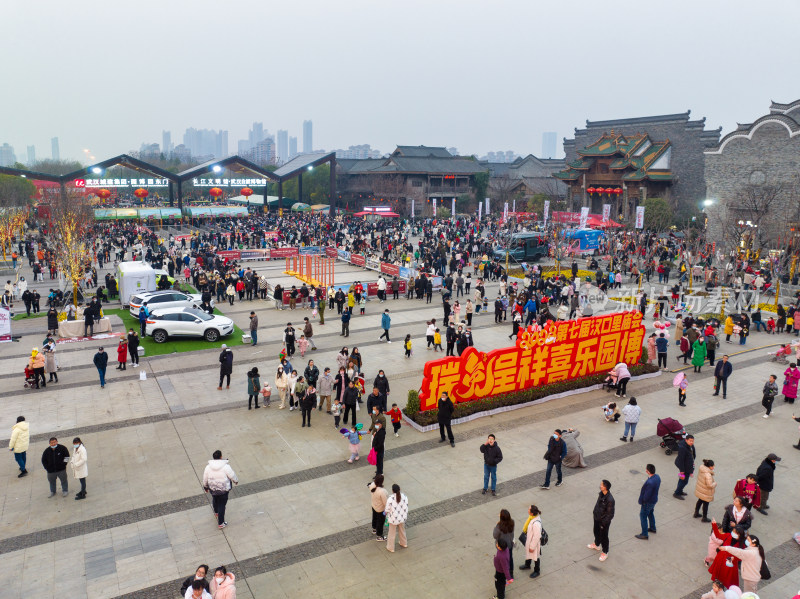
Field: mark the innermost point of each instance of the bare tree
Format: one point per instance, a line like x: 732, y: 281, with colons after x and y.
x: 501, y: 191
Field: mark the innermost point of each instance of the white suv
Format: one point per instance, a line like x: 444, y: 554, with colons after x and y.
x: 157, y: 300
x: 186, y: 322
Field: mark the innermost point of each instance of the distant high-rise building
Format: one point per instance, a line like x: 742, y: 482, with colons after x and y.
x: 7, y: 156
x: 263, y: 152
x: 206, y: 142
x: 54, y: 149
x: 453, y: 151
x: 166, y: 142
x: 182, y: 153
x: 360, y: 152
x: 31, y: 155
x: 222, y: 145
x: 549, y: 144
x: 292, y: 147
x: 149, y: 150
x: 308, y: 139
x: 283, y: 145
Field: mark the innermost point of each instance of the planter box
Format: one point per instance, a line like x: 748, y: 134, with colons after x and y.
x: 435, y: 427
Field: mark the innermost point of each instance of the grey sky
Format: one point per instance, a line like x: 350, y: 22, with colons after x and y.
x: 473, y: 74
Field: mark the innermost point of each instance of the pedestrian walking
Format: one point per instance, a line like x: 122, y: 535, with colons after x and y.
x: 602, y: 514
x: 765, y: 476
x: 282, y: 385
x: 80, y: 465
x: 253, y: 328
x: 685, y: 464
x: 407, y: 346
x: 791, y: 376
x: 101, y: 363
x: 325, y: 390
x: 722, y: 371
x: 350, y: 401
x: 133, y: 347
x: 682, y: 383
x: 54, y: 460
x: 289, y: 337
x: 648, y: 497
x: 662, y: 345
x: 502, y: 568
x: 308, y: 331
x: 386, y: 323
x: 556, y: 452
x: 218, y: 478
x: 445, y: 416
x: 253, y: 387
x: 19, y: 442
x: 396, y: 514
x: 378, y: 498
x: 225, y: 366
x: 768, y: 394
x: 492, y: 456
x: 632, y: 412
x: 345, y: 323
x: 704, y: 489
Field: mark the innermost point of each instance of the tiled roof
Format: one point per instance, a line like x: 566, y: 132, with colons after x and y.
x: 422, y: 152
x: 428, y: 165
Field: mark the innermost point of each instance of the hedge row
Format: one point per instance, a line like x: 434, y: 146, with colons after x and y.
x: 428, y: 417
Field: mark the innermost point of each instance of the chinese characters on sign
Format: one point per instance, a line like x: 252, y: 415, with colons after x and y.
x: 121, y: 183
x: 560, y: 351
x: 228, y: 182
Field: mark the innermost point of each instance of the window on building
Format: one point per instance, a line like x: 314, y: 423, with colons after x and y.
x: 416, y: 183
x: 604, y: 169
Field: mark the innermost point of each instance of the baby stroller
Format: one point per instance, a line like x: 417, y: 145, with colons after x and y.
x: 610, y: 382
x: 671, y: 431
x: 30, y: 379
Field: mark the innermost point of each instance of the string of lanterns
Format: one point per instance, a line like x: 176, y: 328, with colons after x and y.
x: 608, y: 190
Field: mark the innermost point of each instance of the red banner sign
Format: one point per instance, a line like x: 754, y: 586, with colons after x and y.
x: 284, y: 252
x: 357, y: 259
x: 558, y: 352
x: 390, y: 269
x: 331, y: 252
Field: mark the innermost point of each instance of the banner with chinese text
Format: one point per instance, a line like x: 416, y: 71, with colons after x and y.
x: 559, y: 351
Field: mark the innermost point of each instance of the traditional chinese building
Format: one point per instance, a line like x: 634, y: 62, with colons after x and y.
x: 688, y: 139
x: 753, y: 180
x: 621, y: 170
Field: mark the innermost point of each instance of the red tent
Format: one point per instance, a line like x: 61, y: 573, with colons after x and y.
x: 597, y: 221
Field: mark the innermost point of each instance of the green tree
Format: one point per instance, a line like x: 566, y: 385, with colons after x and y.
x: 56, y: 167
x: 658, y: 215
x: 15, y: 191
x: 481, y: 183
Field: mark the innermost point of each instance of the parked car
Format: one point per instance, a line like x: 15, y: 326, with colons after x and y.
x: 186, y: 322
x: 157, y: 300
x: 525, y: 247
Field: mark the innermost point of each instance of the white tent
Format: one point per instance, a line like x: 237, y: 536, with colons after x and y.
x: 134, y: 277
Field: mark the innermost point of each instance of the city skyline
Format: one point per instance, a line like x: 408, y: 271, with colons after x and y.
x: 410, y: 102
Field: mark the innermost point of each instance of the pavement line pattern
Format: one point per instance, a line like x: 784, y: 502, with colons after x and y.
x: 106, y: 426
x: 287, y: 556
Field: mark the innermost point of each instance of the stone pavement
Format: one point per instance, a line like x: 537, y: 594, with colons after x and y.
x: 299, y: 520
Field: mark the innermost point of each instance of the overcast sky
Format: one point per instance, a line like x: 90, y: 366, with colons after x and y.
x: 477, y: 75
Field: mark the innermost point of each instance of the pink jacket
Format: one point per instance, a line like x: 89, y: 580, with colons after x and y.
x: 751, y: 561
x: 227, y: 590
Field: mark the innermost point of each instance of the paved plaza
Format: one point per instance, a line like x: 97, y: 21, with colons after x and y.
x: 299, y: 521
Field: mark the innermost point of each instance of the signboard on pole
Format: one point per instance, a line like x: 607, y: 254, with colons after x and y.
x: 5, y: 325
x: 514, y: 206
x: 640, y: 217
x: 434, y: 207
x: 584, y: 217
x: 505, y: 211
x: 546, y: 210
x: 412, y: 207
x: 453, y: 208
x: 606, y: 212
x: 487, y: 207
x: 480, y: 210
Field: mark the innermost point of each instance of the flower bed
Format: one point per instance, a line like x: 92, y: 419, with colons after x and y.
x: 470, y: 408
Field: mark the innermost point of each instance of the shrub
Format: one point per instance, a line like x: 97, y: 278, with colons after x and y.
x: 511, y: 399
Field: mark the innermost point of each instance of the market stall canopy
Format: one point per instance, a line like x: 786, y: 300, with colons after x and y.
x: 596, y: 221
x: 320, y: 207
x: 300, y: 207
x: 370, y: 213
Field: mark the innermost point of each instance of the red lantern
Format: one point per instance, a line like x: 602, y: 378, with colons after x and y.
x: 103, y: 194
x: 618, y: 191
x: 247, y: 192
x: 609, y: 190
x: 591, y: 190
x: 141, y: 193
x: 215, y: 191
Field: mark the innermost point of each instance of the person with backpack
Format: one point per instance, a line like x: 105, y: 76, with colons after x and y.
x: 533, y: 537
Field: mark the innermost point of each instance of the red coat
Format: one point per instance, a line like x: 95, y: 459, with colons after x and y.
x: 719, y: 570
x: 122, y: 352
x: 751, y: 493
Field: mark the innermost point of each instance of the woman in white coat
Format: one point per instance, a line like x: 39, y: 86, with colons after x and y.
x: 533, y: 541
x: 282, y: 385
x: 80, y: 465
x: 396, y: 514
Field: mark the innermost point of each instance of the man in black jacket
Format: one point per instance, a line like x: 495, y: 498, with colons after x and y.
x: 603, y: 514
x: 766, y: 480
x: 685, y: 464
x: 451, y: 337
x: 492, y: 456
x: 311, y: 373
x: 382, y: 383
x: 378, y: 444
x: 722, y: 371
x: 225, y: 366
x: 55, y: 459
x: 556, y: 452
x: 101, y: 362
x: 133, y: 347
x: 446, y: 409
x: 350, y: 401
x: 376, y: 399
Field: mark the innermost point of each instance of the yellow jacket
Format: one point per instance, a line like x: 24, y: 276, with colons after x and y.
x: 20, y: 437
